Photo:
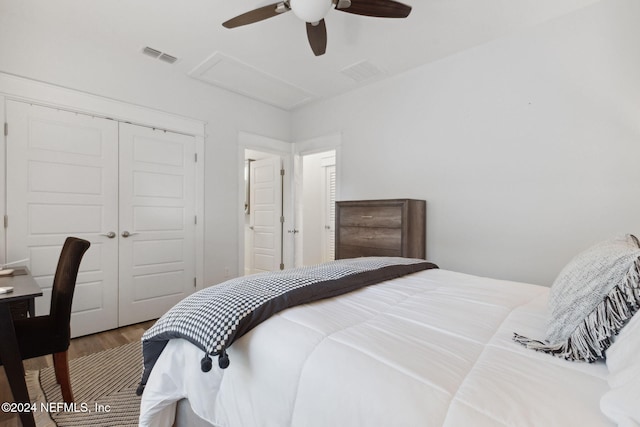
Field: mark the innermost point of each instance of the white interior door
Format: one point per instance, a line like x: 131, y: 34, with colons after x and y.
x: 157, y: 221
x: 266, y: 211
x: 62, y: 172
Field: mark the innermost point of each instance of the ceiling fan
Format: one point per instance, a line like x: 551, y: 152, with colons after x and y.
x: 313, y: 12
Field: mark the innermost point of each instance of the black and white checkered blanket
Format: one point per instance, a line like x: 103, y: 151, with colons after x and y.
x: 214, y: 317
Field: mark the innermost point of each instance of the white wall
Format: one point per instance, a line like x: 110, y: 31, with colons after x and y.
x: 526, y: 149
x: 78, y: 64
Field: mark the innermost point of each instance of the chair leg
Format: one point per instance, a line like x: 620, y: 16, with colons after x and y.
x: 61, y: 366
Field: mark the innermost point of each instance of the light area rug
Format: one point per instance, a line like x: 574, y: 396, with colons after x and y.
x: 104, y: 388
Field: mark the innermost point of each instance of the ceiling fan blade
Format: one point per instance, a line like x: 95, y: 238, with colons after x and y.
x: 376, y: 8
x: 257, y: 15
x: 317, y: 35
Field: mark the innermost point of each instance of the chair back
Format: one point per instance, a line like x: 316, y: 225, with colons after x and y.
x: 64, y: 282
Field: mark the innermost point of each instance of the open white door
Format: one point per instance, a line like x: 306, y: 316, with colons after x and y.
x: 265, y: 214
x: 62, y: 174
x: 157, y: 221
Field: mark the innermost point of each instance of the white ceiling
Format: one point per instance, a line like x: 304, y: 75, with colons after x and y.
x: 271, y: 60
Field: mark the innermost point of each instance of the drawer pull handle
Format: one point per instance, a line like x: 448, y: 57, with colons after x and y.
x: 367, y: 216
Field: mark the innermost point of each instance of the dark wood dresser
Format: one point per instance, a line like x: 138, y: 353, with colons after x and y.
x: 381, y: 228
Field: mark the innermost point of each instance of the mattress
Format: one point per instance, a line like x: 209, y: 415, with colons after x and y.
x: 433, y: 348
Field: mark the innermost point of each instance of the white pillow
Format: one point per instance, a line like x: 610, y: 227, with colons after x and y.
x: 622, y: 403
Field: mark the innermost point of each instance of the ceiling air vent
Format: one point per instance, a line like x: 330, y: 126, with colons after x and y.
x: 362, y: 71
x: 151, y: 52
x: 154, y: 53
x: 167, y: 58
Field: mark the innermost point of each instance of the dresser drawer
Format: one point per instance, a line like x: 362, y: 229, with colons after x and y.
x: 371, y: 216
x: 381, y: 238
x: 359, y: 251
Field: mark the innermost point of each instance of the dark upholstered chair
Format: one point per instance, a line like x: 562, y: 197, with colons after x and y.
x: 51, y: 334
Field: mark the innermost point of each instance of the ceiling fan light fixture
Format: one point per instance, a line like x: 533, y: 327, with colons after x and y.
x: 311, y: 10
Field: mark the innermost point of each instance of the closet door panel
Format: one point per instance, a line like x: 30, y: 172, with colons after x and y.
x: 157, y: 221
x: 62, y: 174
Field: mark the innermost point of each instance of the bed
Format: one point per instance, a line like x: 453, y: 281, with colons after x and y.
x: 431, y: 348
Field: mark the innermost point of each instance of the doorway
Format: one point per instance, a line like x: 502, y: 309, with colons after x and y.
x: 274, y: 185
x: 316, y: 219
x: 265, y: 235
x: 321, y: 188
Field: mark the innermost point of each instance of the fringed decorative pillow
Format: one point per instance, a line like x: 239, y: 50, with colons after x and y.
x: 590, y: 301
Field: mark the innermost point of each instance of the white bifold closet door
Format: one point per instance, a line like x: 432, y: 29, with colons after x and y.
x: 157, y: 212
x: 127, y: 189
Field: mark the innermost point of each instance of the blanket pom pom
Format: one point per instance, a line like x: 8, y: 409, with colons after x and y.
x: 223, y: 360
x: 205, y: 363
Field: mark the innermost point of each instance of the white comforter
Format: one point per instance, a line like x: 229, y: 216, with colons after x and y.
x: 430, y: 349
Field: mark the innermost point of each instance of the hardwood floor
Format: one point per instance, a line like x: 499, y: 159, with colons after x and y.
x: 81, y: 346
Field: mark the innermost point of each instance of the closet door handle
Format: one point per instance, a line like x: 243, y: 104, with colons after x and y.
x: 110, y: 234
x: 126, y: 234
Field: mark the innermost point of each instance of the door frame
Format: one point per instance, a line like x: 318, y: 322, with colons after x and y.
x: 326, y: 211
x: 47, y: 95
x: 276, y: 147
